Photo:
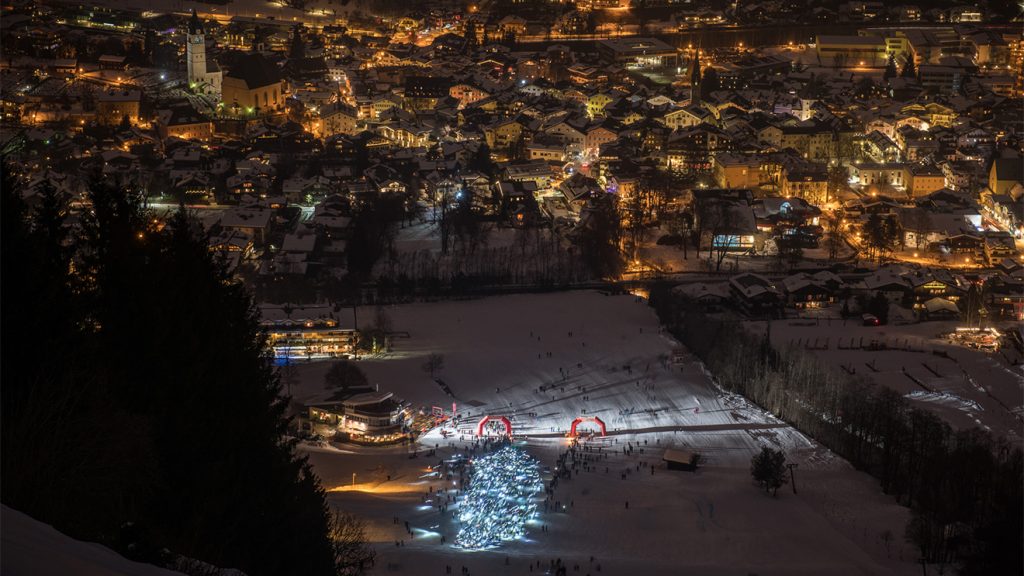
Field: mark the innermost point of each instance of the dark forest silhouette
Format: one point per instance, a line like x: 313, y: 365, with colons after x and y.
x: 140, y: 408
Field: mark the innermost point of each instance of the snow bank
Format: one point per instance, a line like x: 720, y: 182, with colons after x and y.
x: 31, y: 548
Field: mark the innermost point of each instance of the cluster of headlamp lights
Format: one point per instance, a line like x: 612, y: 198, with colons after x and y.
x: 500, y: 500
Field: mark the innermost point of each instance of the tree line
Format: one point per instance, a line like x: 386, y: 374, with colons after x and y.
x: 140, y: 407
x: 964, y: 487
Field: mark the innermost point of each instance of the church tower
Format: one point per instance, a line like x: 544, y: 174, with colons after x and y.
x: 695, y: 77
x: 204, y: 76
x: 196, y: 52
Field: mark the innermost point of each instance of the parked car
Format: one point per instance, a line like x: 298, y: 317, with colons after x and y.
x: 871, y: 320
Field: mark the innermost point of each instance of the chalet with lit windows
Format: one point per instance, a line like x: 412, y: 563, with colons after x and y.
x: 999, y: 244
x: 579, y: 189
x: 970, y: 246
x: 518, y: 202
x: 692, y: 115
x: 755, y: 295
x: 249, y: 183
x: 886, y: 281
x: 803, y: 291
x: 299, y: 190
x: 252, y: 220
x: 935, y: 283
x: 707, y: 297
x: 1004, y: 291
x: 545, y: 148
x: 231, y: 248
x: 194, y: 186
x: 584, y: 75
x: 939, y: 309
x: 467, y: 93
x: 933, y: 113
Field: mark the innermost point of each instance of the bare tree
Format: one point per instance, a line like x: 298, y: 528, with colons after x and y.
x: 636, y: 214
x: 382, y: 320
x: 721, y: 221
x: 434, y: 364
x: 289, y: 375
x: 837, y: 182
x: 353, y: 556
x: 681, y: 224
x: 834, y: 237
x: 446, y: 222
x: 921, y: 222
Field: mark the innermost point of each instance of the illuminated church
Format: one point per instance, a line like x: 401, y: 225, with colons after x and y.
x: 204, y: 76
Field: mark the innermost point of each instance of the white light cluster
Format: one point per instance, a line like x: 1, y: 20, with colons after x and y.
x: 500, y: 499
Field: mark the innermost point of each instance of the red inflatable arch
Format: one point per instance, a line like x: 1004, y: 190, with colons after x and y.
x: 594, y: 419
x: 486, y: 419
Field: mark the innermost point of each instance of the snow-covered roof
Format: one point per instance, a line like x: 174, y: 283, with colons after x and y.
x: 245, y: 218
x: 940, y: 305
x: 703, y: 291
x: 287, y: 315
x: 751, y: 285
x: 882, y: 279
x: 367, y: 398
x: 299, y: 242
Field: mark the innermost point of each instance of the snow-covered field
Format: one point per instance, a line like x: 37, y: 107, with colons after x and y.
x: 543, y: 360
x: 969, y: 388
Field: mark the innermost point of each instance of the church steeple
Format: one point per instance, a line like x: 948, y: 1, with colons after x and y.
x: 194, y: 25
x: 297, y: 50
x: 695, y: 76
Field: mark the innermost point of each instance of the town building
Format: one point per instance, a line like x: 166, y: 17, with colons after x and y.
x: 364, y: 416
x: 253, y: 86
